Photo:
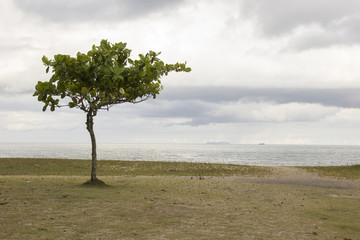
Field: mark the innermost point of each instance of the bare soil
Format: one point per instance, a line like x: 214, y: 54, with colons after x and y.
x: 297, y: 176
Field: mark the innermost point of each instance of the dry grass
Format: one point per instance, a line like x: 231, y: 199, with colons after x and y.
x: 173, y: 208
x: 70, y: 167
x: 342, y: 172
x: 174, y: 205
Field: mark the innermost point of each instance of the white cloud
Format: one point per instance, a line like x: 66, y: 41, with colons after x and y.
x: 265, y: 112
x: 348, y: 116
x: 292, y: 83
x: 34, y: 121
x: 292, y: 112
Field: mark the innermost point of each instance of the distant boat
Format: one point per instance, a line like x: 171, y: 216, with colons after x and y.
x: 261, y: 143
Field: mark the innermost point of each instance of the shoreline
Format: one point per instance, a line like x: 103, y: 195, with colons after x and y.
x: 170, y: 162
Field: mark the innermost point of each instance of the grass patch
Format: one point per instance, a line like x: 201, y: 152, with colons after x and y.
x: 46, y: 199
x: 341, y: 172
x: 59, y: 207
x: 68, y: 167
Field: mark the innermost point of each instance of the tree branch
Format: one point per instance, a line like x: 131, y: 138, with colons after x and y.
x: 109, y: 104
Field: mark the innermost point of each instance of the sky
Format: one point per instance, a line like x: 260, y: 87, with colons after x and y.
x: 275, y: 72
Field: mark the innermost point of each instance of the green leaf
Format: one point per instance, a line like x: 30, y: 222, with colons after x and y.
x: 122, y: 91
x: 45, y: 60
x: 72, y: 104
x: 84, y: 90
x: 93, y: 93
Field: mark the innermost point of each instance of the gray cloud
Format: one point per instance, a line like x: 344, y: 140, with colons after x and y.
x: 337, y: 20
x: 197, y: 106
x: 282, y: 16
x: 94, y: 10
x: 347, y: 98
x: 342, y: 32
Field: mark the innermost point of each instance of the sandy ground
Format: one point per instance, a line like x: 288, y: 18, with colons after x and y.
x: 296, y: 176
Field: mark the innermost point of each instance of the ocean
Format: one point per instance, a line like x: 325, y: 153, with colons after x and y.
x: 264, y: 155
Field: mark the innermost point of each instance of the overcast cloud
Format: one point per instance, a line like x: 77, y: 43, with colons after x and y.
x: 312, y: 24
x: 263, y: 71
x: 71, y: 11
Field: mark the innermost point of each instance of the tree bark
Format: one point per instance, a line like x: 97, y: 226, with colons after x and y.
x: 90, y: 127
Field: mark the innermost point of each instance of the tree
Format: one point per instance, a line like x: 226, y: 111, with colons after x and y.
x: 100, y: 79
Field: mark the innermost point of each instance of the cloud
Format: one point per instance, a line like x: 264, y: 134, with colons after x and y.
x: 281, y: 16
x: 34, y: 121
x: 313, y: 24
x: 198, y: 106
x: 93, y: 10
x: 342, y: 32
x: 21, y: 78
x: 346, y: 97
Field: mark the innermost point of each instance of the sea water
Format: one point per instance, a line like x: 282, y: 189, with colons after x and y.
x: 265, y: 155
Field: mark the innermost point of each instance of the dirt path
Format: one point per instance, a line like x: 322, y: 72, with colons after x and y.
x: 296, y: 176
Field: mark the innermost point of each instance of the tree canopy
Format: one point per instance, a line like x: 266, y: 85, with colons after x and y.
x: 103, y: 77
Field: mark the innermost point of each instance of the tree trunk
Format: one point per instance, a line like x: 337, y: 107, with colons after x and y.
x: 90, y: 128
